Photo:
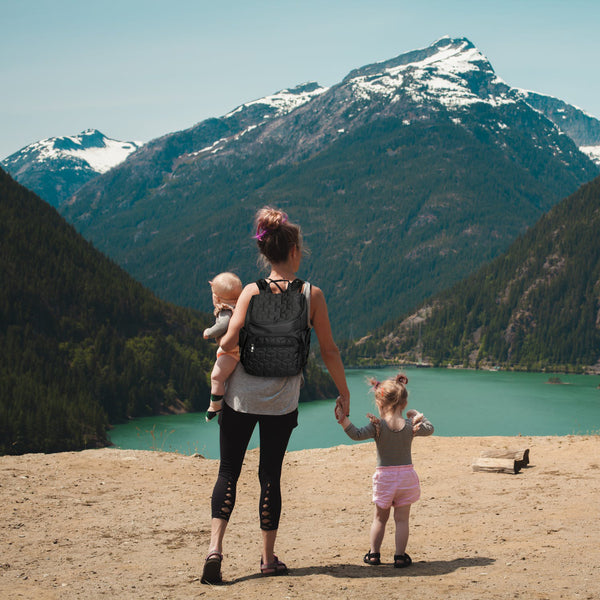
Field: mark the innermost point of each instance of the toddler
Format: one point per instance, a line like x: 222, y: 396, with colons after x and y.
x: 395, y: 482
x: 226, y: 288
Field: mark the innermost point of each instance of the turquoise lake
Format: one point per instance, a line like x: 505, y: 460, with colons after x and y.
x: 457, y: 402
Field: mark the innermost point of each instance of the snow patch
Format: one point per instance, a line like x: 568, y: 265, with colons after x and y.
x: 104, y: 159
x: 282, y: 102
x: 593, y: 152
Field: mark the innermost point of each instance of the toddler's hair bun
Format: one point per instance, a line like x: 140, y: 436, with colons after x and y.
x: 401, y: 378
x: 374, y: 383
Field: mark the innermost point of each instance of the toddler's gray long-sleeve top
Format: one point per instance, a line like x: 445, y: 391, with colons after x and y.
x: 393, y: 447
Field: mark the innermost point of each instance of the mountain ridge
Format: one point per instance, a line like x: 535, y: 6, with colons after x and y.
x: 468, y: 166
x: 55, y: 168
x: 439, y: 153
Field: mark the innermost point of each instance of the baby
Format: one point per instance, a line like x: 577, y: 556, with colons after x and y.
x: 226, y: 289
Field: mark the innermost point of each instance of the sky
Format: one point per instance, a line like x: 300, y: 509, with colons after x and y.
x: 138, y: 69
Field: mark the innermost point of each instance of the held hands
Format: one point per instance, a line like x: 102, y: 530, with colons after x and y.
x: 340, y: 414
x: 343, y: 404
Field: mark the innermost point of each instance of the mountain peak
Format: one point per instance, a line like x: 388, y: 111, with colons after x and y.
x: 69, y: 162
x: 451, y: 72
x: 446, y: 49
x: 460, y: 43
x: 91, y: 138
x: 91, y: 146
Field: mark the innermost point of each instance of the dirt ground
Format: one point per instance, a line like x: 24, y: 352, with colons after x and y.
x: 133, y: 524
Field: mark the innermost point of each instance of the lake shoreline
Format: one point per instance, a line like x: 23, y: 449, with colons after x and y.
x: 497, y: 403
x: 593, y: 370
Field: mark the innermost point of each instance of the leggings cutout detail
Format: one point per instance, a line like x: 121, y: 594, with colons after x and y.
x: 235, y: 432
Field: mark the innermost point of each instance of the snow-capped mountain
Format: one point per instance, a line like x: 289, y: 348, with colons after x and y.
x: 56, y: 167
x: 406, y: 176
x: 451, y: 72
x: 451, y: 76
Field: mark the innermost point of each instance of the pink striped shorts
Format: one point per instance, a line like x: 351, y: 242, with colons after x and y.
x: 395, y: 486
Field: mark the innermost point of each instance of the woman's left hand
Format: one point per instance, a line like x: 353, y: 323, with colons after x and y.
x: 344, y: 404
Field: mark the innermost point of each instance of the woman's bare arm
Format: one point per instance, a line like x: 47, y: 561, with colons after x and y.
x: 329, y: 351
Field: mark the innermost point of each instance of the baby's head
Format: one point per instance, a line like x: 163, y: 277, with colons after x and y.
x: 226, y: 288
x: 391, y: 394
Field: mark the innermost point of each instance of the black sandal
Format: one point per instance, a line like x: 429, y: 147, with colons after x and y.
x: 402, y: 561
x: 274, y: 568
x: 211, y: 574
x: 372, y: 558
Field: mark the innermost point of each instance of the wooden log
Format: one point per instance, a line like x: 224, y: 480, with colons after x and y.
x: 521, y: 455
x: 496, y: 465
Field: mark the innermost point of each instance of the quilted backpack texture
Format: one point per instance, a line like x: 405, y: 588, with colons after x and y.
x: 275, y: 338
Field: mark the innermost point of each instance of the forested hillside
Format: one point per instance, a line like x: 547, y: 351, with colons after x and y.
x: 535, y: 307
x: 82, y: 344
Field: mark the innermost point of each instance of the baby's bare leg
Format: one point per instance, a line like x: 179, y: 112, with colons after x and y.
x: 222, y: 369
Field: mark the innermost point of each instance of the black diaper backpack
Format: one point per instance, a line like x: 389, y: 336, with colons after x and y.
x: 275, y: 339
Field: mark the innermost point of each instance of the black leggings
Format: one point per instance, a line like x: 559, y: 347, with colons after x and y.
x: 235, y: 434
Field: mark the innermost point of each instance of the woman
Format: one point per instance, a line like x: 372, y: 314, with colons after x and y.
x: 272, y: 402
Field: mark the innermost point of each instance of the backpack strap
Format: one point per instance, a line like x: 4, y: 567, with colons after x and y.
x: 296, y: 285
x: 263, y: 285
x: 293, y: 286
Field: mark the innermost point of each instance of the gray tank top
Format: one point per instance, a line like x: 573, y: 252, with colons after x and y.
x: 264, y: 395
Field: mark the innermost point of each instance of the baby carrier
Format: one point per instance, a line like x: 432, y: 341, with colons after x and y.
x: 275, y: 338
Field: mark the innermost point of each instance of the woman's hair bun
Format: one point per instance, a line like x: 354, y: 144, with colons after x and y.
x: 275, y: 235
x: 270, y: 219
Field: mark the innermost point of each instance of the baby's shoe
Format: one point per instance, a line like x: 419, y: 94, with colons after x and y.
x: 214, y: 409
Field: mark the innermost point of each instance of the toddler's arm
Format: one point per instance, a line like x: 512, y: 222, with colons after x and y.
x: 353, y: 432
x: 220, y: 327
